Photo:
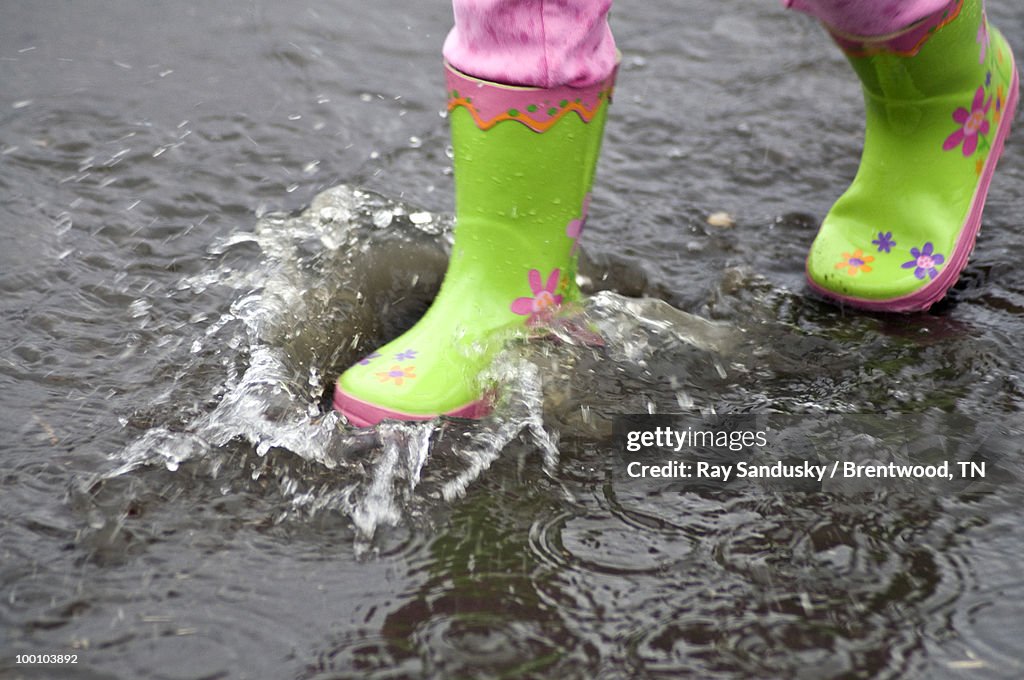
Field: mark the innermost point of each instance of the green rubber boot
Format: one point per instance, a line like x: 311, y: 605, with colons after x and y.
x: 940, y: 97
x: 524, y: 165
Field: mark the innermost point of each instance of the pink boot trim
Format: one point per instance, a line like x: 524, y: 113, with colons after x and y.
x: 365, y: 414
x: 536, y: 108
x: 924, y: 298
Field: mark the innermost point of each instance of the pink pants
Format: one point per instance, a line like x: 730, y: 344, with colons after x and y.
x: 549, y: 43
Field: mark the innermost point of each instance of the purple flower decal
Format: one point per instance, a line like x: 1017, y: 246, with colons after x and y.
x: 974, y: 122
x: 365, y: 361
x: 925, y: 261
x: 575, y: 228
x: 884, y: 241
x: 544, y: 300
x: 406, y: 355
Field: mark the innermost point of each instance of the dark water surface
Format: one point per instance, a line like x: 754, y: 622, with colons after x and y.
x: 210, y: 208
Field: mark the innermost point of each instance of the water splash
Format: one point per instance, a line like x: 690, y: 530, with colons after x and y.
x: 310, y: 293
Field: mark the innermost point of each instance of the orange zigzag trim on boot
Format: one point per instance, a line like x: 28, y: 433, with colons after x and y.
x: 537, y: 125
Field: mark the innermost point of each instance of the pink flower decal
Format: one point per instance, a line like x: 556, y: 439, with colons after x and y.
x: 974, y: 122
x: 575, y: 228
x: 544, y: 301
x: 982, y: 38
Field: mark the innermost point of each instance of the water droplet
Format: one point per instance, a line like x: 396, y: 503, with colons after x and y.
x: 139, y: 308
x: 62, y: 224
x: 383, y: 218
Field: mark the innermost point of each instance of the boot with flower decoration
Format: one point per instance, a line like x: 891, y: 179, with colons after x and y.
x: 940, y: 95
x: 524, y: 165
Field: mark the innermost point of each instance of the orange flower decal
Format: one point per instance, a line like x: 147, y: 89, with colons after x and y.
x: 398, y: 374
x: 1000, y: 103
x: 858, y: 262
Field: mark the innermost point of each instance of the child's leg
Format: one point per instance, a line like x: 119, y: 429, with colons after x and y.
x: 868, y: 17
x: 538, y: 43
x: 524, y: 164
x: 940, y: 89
